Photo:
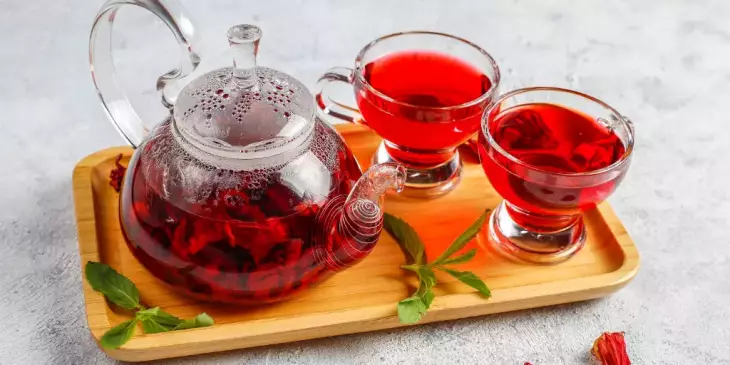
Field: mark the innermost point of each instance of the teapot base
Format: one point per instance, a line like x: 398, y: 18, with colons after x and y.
x: 226, y: 300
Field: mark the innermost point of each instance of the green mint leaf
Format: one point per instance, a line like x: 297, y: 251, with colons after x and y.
x: 167, y: 319
x: 405, y: 236
x: 410, y: 310
x: 119, y: 335
x: 150, y: 325
x: 470, y: 279
x: 428, y: 298
x: 202, y: 320
x: 115, y: 286
x: 159, y: 316
x: 461, y: 258
x: 427, y: 276
x: 464, y: 238
x: 155, y: 320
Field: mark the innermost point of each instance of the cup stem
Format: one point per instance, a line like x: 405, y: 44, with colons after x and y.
x: 423, y: 182
x: 540, y: 223
x: 534, y: 238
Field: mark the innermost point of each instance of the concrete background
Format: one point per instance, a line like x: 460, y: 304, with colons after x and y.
x: 665, y: 64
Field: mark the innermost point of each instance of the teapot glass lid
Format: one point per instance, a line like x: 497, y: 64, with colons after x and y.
x: 245, y: 109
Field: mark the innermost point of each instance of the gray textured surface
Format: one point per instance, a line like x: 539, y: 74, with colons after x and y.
x: 666, y: 64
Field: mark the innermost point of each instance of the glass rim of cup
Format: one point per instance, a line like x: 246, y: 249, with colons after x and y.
x: 624, y: 121
x: 482, y: 98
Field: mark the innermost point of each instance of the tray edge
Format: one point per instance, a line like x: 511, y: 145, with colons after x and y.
x: 87, y: 234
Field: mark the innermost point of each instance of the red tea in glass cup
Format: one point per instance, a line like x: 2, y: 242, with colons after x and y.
x: 424, y: 93
x: 551, y: 154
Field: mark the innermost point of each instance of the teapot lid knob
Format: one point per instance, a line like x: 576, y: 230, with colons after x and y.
x: 244, y: 42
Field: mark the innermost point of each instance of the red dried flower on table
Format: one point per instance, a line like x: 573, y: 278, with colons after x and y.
x: 117, y: 174
x: 610, y: 349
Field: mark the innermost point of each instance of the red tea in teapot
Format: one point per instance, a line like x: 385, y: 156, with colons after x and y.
x: 552, y: 139
x: 251, y: 244
x: 422, y: 110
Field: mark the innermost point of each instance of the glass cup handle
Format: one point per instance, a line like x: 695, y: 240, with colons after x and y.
x: 326, y: 102
x: 113, y: 98
x: 628, y: 122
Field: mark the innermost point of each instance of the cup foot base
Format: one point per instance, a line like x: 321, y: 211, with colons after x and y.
x: 518, y: 243
x: 426, y: 183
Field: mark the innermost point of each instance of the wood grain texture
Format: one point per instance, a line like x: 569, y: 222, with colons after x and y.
x: 362, y: 298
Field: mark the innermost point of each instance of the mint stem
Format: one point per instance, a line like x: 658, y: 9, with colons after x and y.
x: 413, y: 267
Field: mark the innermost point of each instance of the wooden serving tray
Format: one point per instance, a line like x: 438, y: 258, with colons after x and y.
x: 362, y: 298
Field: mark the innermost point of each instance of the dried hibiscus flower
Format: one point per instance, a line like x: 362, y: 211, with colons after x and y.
x: 117, y: 174
x: 610, y: 349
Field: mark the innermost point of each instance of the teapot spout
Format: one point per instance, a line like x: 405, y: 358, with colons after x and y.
x: 352, y: 229
x: 368, y: 192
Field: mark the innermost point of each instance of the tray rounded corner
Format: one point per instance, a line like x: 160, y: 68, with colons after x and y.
x: 95, y: 158
x: 126, y: 354
x: 629, y: 269
x: 626, y: 272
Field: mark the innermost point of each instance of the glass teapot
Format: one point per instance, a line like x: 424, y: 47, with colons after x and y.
x: 242, y: 194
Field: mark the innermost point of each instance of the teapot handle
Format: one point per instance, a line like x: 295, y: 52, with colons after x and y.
x: 114, y: 99
x: 328, y: 104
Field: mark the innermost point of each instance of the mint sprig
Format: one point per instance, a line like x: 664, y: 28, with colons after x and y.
x: 119, y: 290
x: 412, y: 309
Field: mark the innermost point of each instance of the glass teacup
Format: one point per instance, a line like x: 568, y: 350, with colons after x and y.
x: 424, y: 93
x: 551, y: 154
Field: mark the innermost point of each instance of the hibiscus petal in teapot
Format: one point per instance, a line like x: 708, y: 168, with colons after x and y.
x: 242, y: 194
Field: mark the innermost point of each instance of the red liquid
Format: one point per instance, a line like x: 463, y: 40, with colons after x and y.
x: 424, y: 80
x: 547, y: 139
x: 230, y: 246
